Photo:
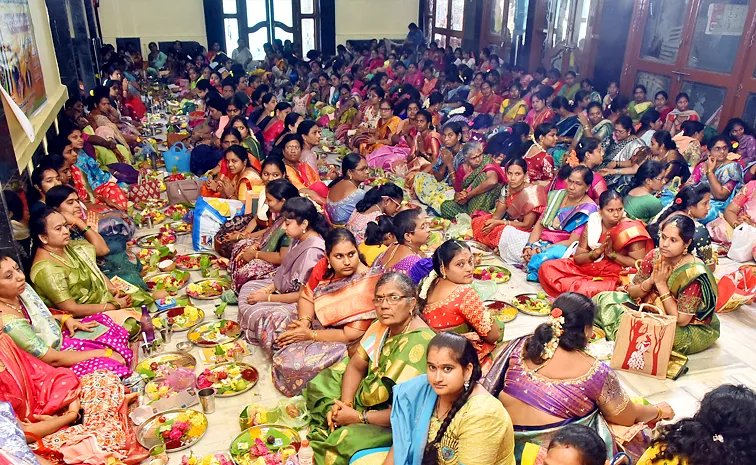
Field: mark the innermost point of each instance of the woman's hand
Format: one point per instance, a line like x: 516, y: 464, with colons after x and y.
x: 298, y: 331
x: 345, y: 415
x: 447, y: 156
x: 660, y: 275
x: 213, y: 185
x: 227, y: 187
x: 73, y: 325
x: 249, y: 254
x: 72, y: 219
x: 710, y: 164
x: 259, y: 295
x: 491, y: 223
x: 583, y: 119
x: 667, y: 412
x: 124, y: 300
x: 527, y: 254
x: 461, y: 197
x: 74, y: 406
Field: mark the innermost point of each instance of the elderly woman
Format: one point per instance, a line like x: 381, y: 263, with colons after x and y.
x: 477, y: 183
x: 350, y: 402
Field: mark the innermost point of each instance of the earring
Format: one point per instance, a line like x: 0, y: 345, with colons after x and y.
x: 467, y: 384
x: 304, y: 230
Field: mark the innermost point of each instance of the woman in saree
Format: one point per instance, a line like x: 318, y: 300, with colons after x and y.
x: 692, y: 201
x: 742, y: 210
x: 28, y: 321
x: 427, y: 147
x: 350, y: 402
x: 383, y: 200
x: 641, y: 202
x: 674, y: 280
x: 539, y: 113
x: 546, y: 381
x: 156, y: 58
x: 43, y: 178
x: 344, y: 192
x: 639, y: 105
x: 489, y: 103
x: 609, y: 244
x: 276, y: 125
x: 433, y: 187
x: 441, y: 417
x: 237, y: 179
x: 248, y: 141
x: 540, y: 163
x: 346, y: 109
x: 721, y: 173
x: 430, y: 81
x: 586, y: 85
x: 477, y: 183
x: 301, y: 174
x: 567, y: 126
x: 103, y: 115
x: 365, y: 122
x: 311, y: 137
x: 650, y: 123
x: 738, y: 130
x: 590, y: 154
x: 593, y: 125
x: 256, y: 255
x: 725, y: 417
x: 680, y: 114
x: 689, y: 140
x: 570, y: 87
x: 335, y: 309
x: 66, y: 277
x: 612, y: 92
x: 663, y: 149
x: 560, y: 225
x: 411, y: 232
x: 518, y: 207
x: 512, y: 109
x: 386, y: 146
x: 450, y: 304
x: 622, y: 146
x: 48, y: 404
x: 265, y: 304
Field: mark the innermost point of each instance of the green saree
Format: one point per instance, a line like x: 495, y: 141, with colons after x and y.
x: 467, y: 182
x: 392, y: 360
x: 81, y: 281
x: 694, y: 288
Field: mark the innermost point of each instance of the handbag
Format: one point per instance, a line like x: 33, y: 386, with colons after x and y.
x: 736, y: 288
x: 183, y: 191
x: 144, y: 189
x: 644, y: 342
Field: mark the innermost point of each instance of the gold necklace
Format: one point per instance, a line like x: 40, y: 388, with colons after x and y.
x: 58, y: 257
x: 17, y: 309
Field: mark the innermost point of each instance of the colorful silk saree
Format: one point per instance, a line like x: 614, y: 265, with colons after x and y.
x: 540, y: 165
x: 730, y: 176
x: 695, y: 289
x: 720, y: 230
x: 513, y: 110
x: 532, y: 198
x: 534, y: 118
x: 392, y: 360
x: 337, y: 303
x: 467, y: 182
x: 340, y: 212
x: 642, y: 207
x: 598, y: 186
x: 564, y: 275
x: 273, y: 240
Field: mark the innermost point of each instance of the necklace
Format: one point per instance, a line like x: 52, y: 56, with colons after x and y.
x: 436, y: 411
x: 58, y: 257
x: 405, y: 328
x: 17, y: 309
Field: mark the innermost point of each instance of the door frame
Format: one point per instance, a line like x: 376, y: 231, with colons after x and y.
x: 446, y: 31
x: 486, y: 36
x: 679, y: 72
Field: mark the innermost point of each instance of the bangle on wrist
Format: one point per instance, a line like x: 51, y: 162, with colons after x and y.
x: 64, y: 318
x: 108, y: 352
x: 365, y: 418
x: 84, y: 231
x: 269, y: 297
x: 314, y: 335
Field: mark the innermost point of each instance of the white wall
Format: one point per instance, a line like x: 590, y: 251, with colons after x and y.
x: 367, y: 19
x: 153, y: 20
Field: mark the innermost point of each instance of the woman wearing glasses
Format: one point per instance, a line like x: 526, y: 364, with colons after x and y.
x: 350, y: 403
x: 412, y: 231
x: 387, y: 145
x: 334, y: 310
x: 450, y: 304
x: 303, y: 176
x: 641, y: 202
x: 723, y: 176
x: 378, y: 201
x: 621, y: 149
x: 344, y: 192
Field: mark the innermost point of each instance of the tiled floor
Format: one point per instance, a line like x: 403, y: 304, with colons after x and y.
x: 731, y: 360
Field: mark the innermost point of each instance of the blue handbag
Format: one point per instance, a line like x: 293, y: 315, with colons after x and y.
x: 177, y: 159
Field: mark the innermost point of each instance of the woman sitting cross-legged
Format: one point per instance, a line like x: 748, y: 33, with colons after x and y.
x: 677, y: 282
x: 517, y: 209
x: 258, y: 256
x: 335, y: 308
x: 441, y: 417
x: 83, y: 419
x: 28, y: 321
x: 266, y: 305
x: 477, y: 183
x: 65, y: 275
x: 721, y: 431
x: 609, y: 243
x: 450, y: 304
x: 350, y: 402
x: 546, y: 380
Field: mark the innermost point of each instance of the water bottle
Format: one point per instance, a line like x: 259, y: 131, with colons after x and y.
x: 305, y: 453
x: 148, y: 329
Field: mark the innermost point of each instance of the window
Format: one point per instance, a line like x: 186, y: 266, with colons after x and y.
x: 229, y: 7
x: 231, y: 29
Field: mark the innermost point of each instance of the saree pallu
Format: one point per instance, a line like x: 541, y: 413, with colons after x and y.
x: 689, y: 148
x: 511, y: 110
x: 620, y: 151
x: 636, y: 110
x: 531, y: 199
x: 598, y: 186
x: 13, y: 447
x: 730, y: 176
x: 305, y: 176
x: 534, y: 118
x: 564, y: 275
x: 643, y: 207
x: 568, y: 127
x: 337, y: 303
x: 695, y: 289
x: 392, y: 360
x: 340, y: 212
x: 263, y: 322
x: 488, y: 105
x: 425, y: 156
x: 272, y: 240
x: 114, y: 193
x: 540, y: 167
x: 719, y: 229
x: 677, y: 118
x: 384, y: 130
x: 569, y: 92
x: 747, y: 149
x: 467, y: 182
x: 601, y: 131
x: 357, y: 223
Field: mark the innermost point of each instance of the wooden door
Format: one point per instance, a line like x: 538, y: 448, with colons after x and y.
x: 571, y: 35
x: 448, y: 19
x: 494, y: 32
x: 699, y: 47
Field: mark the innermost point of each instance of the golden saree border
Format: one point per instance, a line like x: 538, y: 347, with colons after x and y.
x: 354, y: 299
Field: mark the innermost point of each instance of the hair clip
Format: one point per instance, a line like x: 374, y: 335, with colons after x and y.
x: 718, y: 438
x: 556, y: 312
x: 678, y: 201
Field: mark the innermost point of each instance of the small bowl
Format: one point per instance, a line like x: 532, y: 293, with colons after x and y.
x: 184, y: 346
x: 166, y: 266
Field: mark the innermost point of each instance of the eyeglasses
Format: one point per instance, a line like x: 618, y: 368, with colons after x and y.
x: 391, y: 299
x: 385, y: 109
x: 661, y: 178
x: 719, y: 149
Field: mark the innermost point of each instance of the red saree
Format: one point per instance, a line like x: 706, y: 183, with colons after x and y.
x: 531, y: 199
x: 564, y: 275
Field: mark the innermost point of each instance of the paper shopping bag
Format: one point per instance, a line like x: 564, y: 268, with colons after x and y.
x: 644, y: 342
x: 736, y: 288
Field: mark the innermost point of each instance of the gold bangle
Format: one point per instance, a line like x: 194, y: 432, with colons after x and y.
x: 108, y: 352
x: 665, y: 296
x: 314, y: 335
x: 257, y: 255
x: 643, y: 288
x: 64, y: 318
x: 305, y: 318
x: 269, y: 297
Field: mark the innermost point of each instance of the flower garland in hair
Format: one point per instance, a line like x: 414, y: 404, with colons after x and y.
x: 535, y: 142
x: 572, y: 159
x: 426, y: 283
x: 556, y: 320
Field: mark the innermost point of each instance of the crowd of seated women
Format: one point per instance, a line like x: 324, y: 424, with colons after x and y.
x: 395, y: 353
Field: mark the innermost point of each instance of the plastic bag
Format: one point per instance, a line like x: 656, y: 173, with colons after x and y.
x: 743, y: 242
x: 209, y: 216
x: 553, y: 252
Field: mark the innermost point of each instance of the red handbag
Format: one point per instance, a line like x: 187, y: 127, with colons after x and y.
x: 144, y: 189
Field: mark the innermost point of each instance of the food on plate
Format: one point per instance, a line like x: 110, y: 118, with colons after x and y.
x: 182, y: 318
x: 191, y: 261
x: 176, y: 212
x: 176, y: 227
x: 152, y: 203
x: 228, y: 378
x: 154, y: 241
x: 170, y: 282
x: 207, y: 288
x: 533, y: 305
x: 439, y: 223
x: 497, y: 274
x: 214, y: 333
x: 265, y: 445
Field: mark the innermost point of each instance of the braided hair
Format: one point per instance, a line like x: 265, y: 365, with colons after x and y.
x: 466, y: 355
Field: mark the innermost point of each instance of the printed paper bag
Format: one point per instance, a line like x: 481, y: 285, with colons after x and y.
x: 145, y: 189
x: 736, y: 288
x: 644, y: 342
